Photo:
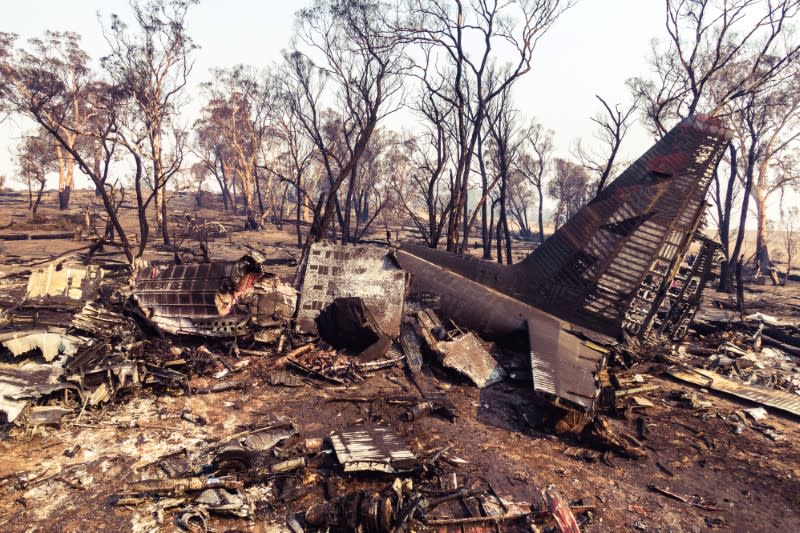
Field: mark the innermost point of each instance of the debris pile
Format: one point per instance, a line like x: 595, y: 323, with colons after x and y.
x: 193, y: 329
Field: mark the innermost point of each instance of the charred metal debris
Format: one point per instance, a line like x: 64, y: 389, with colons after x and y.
x: 620, y: 282
x: 84, y: 339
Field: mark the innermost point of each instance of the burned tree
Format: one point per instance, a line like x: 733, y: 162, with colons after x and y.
x: 430, y: 157
x: 233, y: 128
x: 294, y: 160
x: 569, y: 188
x: 35, y: 159
x: 519, y: 198
x: 346, y: 67
x: 772, y: 123
x: 60, y: 55
x: 790, y: 220
x: 152, y: 64
x: 505, y: 142
x: 463, y: 43
x: 38, y: 91
x: 212, y: 150
x: 383, y: 168
x: 612, y: 125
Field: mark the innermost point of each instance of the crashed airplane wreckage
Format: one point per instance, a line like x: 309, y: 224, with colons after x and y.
x: 613, y: 273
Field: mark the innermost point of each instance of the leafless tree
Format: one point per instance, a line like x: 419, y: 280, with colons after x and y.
x: 502, y: 125
x: 36, y: 89
x: 35, y: 159
x: 725, y: 189
x: 704, y: 39
x: 430, y: 157
x: 718, y: 57
x: 461, y: 44
x: 519, y: 195
x: 790, y: 220
x: 211, y: 148
x: 771, y: 124
x: 293, y: 162
x: 198, y: 176
x: 238, y: 111
x: 59, y: 54
x: 613, y: 125
x: 385, y: 163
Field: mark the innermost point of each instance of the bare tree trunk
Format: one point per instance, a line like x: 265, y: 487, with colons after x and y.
x: 498, y: 229
x: 35, y: 205
x: 298, y: 215
x: 748, y: 186
x: 541, y: 213
x: 348, y: 207
x: 164, y: 224
x: 739, y: 286
x: 160, y: 202
x: 144, y: 226
x: 491, y: 222
x: 502, y: 221
x: 66, y: 174
x: 763, y: 263
x: 258, y: 192
x: 789, y: 254
x: 223, y: 187
x: 433, y: 224
x: 465, y: 222
x: 234, y: 197
x: 726, y: 274
x: 486, y: 236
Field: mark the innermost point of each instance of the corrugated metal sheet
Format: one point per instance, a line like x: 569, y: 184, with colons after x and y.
x: 564, y: 365
x: 371, y: 448
x: 783, y: 401
x: 180, y: 298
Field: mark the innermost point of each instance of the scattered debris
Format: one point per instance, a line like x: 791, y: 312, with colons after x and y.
x: 603, y: 304
x: 462, y: 352
x: 27, y: 381
x: 565, y: 520
x: 777, y: 399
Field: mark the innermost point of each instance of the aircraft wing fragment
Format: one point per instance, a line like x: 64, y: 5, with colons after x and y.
x: 564, y: 365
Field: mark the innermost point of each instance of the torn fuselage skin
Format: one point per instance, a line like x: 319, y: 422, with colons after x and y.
x: 220, y: 299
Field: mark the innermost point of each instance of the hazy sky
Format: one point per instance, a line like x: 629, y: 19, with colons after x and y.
x: 591, y: 50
